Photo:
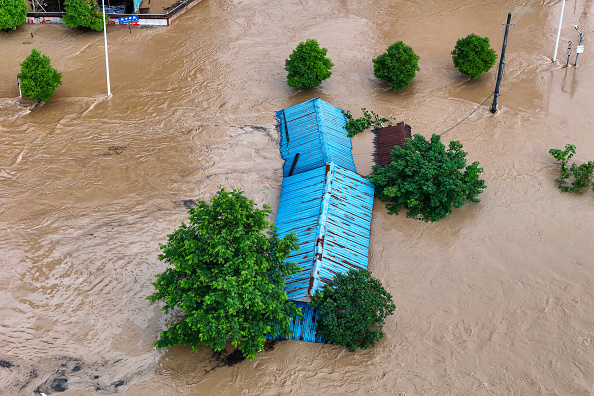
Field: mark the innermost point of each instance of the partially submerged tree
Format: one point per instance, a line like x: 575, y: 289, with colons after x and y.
x: 83, y: 13
x: 308, y: 65
x: 354, y: 126
x: 226, y: 276
x: 352, y: 310
x: 576, y: 178
x: 427, y: 179
x: 38, y: 78
x: 13, y: 13
x: 398, y: 66
x: 472, y: 55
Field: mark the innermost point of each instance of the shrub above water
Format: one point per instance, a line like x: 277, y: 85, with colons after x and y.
x: 353, y: 309
x: 38, y: 78
x: 308, y: 65
x: 472, y: 55
x: 427, y: 179
x: 398, y: 66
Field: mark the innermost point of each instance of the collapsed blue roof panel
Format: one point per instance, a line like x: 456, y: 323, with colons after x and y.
x: 315, y: 130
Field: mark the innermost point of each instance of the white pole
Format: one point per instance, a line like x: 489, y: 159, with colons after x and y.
x: 558, y: 32
x: 106, y: 60
x: 21, y: 94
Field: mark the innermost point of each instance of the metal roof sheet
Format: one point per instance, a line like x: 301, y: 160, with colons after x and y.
x: 387, y: 138
x: 304, y: 328
x: 315, y: 130
x: 329, y: 209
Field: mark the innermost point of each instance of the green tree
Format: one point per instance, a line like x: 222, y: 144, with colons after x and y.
x: 83, y: 13
x: 576, y: 178
x: 427, y: 179
x: 398, y: 66
x: 226, y: 277
x: 354, y: 126
x: 472, y: 55
x: 13, y: 13
x: 38, y: 78
x: 308, y: 65
x: 352, y: 310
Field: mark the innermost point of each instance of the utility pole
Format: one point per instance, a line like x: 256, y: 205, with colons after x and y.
x: 501, y: 63
x: 579, y: 47
x: 106, y: 59
x: 558, y: 32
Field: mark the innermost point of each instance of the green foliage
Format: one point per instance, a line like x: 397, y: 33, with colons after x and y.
x: 353, y: 308
x: 398, y: 66
x: 38, y: 78
x: 308, y: 65
x: 13, y: 13
x: 576, y: 178
x: 83, y: 13
x: 427, y: 179
x: 472, y: 55
x: 355, y: 126
x: 226, y: 276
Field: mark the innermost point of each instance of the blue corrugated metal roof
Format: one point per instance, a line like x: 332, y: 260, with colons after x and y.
x: 315, y: 130
x: 329, y: 209
x: 304, y: 328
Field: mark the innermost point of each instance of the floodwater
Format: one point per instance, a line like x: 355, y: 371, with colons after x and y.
x: 495, y: 299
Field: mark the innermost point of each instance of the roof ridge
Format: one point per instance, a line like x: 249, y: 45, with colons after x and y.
x: 314, y: 279
x: 321, y: 129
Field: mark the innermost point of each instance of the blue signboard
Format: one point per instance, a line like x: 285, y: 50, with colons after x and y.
x: 128, y: 19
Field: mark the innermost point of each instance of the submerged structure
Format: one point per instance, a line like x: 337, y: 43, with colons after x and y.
x: 329, y: 209
x: 386, y: 139
x: 323, y: 201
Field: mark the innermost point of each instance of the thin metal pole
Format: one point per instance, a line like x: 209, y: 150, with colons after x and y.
x: 558, y: 32
x: 568, y: 53
x: 576, y: 51
x: 501, y: 63
x: 106, y: 59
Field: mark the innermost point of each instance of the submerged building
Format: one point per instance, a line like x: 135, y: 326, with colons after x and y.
x: 324, y: 201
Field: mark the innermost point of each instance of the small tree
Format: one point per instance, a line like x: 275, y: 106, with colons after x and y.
x: 38, y: 78
x: 308, y: 65
x: 13, y: 13
x: 576, y: 178
x: 226, y: 277
x: 352, y: 310
x: 398, y: 66
x: 472, y: 55
x: 83, y: 13
x: 427, y: 179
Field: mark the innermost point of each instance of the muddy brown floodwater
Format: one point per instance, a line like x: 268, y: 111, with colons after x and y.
x: 495, y: 299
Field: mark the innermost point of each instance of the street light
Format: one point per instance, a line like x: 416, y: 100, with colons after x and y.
x: 559, y: 32
x: 106, y: 59
x: 578, y: 49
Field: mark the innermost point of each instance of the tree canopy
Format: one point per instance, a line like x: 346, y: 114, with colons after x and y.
x: 472, y: 55
x: 83, y: 13
x: 308, y: 65
x: 226, y: 276
x: 352, y: 310
x: 13, y: 13
x: 427, y: 179
x: 38, y: 78
x: 398, y: 66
